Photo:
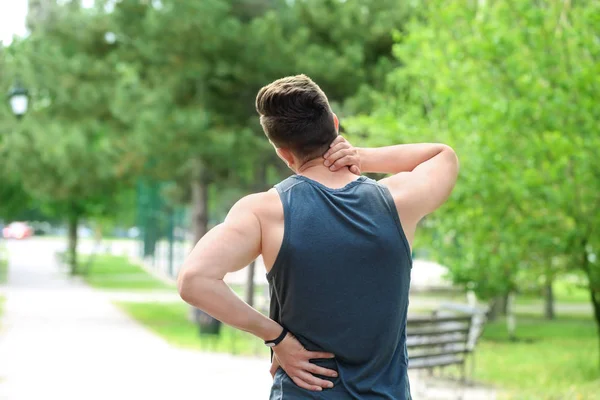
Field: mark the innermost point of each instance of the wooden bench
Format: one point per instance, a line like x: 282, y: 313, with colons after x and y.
x: 445, y: 338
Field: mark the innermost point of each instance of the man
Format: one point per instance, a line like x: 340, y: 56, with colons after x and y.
x: 336, y: 246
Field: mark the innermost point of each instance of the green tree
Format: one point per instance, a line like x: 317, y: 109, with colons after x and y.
x: 190, y: 94
x: 187, y: 100
x: 513, y: 86
x: 69, y: 151
x: 165, y: 90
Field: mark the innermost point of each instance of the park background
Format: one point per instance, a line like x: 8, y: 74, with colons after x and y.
x: 140, y: 133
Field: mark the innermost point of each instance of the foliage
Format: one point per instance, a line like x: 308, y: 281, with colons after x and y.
x: 511, y: 85
x: 69, y: 148
x: 169, y: 83
x: 568, y: 288
x: 13, y: 198
x: 189, y: 95
x: 122, y: 100
x: 69, y: 152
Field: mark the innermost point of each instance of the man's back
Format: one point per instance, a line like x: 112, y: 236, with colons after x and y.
x: 338, y: 260
x: 340, y: 282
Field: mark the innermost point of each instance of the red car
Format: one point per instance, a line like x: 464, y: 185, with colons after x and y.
x: 17, y: 230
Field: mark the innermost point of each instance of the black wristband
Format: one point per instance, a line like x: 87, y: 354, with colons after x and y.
x: 275, y: 342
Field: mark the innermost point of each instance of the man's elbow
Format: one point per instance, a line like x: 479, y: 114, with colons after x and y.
x: 451, y: 158
x: 189, y: 285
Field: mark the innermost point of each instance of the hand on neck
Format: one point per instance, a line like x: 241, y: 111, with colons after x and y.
x: 310, y: 166
x: 315, y: 169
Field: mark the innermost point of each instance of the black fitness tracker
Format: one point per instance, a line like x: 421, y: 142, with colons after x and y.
x: 273, y: 343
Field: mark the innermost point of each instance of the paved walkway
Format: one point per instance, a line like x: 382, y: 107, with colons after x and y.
x: 61, y: 339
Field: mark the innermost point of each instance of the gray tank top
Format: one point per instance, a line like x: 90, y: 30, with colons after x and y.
x: 340, y: 284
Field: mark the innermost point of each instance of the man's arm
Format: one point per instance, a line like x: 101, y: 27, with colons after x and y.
x: 399, y: 158
x: 229, y: 247
x: 424, y: 174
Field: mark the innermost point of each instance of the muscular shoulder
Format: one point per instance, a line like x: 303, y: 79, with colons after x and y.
x: 264, y: 205
x: 399, y: 186
x: 404, y: 198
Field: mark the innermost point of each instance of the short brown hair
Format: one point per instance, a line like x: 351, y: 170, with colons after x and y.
x: 295, y: 114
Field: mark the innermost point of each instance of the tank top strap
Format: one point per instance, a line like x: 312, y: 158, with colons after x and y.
x: 287, y: 184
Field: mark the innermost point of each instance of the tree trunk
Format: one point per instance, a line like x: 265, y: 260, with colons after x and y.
x: 95, y: 250
x: 548, y: 299
x: 594, y: 297
x: 199, y: 189
x: 493, y: 310
x: 594, y: 286
x: 504, y: 303
x: 72, y: 253
x: 260, y: 180
x: 511, y: 319
x: 199, y: 207
x: 250, y: 284
x: 596, y: 305
x: 497, y: 307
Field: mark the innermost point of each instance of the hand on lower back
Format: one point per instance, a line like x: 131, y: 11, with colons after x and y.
x: 295, y: 361
x: 274, y: 366
x: 342, y: 154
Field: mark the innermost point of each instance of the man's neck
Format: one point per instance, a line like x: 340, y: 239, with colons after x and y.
x: 316, y: 170
x: 311, y: 165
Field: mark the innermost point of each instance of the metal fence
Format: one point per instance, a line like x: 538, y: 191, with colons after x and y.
x: 164, y: 229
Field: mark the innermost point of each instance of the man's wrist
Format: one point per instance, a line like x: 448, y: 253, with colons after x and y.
x: 274, y: 342
x: 365, y: 162
x: 270, y: 330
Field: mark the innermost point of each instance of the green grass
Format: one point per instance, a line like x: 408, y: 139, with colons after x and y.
x: 3, y: 271
x: 117, y: 273
x: 564, y: 292
x: 169, y: 320
x: 3, y: 264
x: 567, y: 289
x: 551, y: 359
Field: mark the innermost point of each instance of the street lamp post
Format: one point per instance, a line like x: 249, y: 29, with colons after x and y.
x: 18, y: 97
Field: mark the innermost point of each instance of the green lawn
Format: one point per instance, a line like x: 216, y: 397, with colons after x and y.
x: 170, y: 321
x: 552, y: 359
x: 116, y: 272
x: 3, y: 271
x: 3, y: 264
x: 566, y: 290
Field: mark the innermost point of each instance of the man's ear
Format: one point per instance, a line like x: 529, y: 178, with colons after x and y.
x: 336, y: 121
x: 286, y: 156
